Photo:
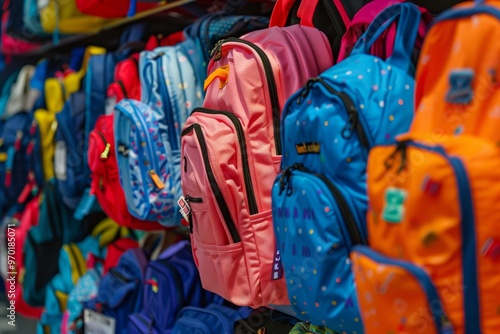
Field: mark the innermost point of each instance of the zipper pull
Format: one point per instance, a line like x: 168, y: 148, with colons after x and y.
x: 306, y: 89
x: 349, y: 126
x: 400, y: 149
x: 285, y: 178
x: 156, y: 180
x: 105, y: 153
x: 446, y: 326
x: 216, y: 52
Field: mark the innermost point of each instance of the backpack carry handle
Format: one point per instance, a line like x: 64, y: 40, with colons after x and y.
x: 407, y: 29
x: 307, y: 9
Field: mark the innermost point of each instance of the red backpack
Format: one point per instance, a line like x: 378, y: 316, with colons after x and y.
x: 127, y: 84
x: 113, y: 8
x: 155, y: 41
x: 105, y: 183
x: 29, y: 218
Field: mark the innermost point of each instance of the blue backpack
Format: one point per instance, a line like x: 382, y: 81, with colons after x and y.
x: 121, y: 289
x: 213, y: 319
x: 68, y: 158
x: 100, y: 74
x: 21, y: 173
x: 171, y: 282
x: 171, y: 86
x: 319, y: 199
x: 211, y: 28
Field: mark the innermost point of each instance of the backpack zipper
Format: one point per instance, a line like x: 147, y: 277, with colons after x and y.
x: 107, y: 146
x: 252, y: 202
x: 273, y: 91
x: 168, y: 114
x: 190, y: 199
x: 351, y: 111
x: 354, y: 233
x: 151, y: 155
x: 174, y: 274
x: 122, y: 87
x: 221, y: 202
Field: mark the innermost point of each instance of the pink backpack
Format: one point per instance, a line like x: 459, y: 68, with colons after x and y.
x: 385, y: 44
x: 231, y: 154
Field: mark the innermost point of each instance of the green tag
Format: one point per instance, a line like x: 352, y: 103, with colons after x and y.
x: 394, y: 209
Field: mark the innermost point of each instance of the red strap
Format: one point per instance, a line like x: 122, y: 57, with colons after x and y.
x: 280, y: 13
x: 307, y: 9
x: 306, y: 12
x: 343, y: 14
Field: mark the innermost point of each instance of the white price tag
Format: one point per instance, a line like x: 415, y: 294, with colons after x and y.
x: 60, y: 157
x: 96, y: 323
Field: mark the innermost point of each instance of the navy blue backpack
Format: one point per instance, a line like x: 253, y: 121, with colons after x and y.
x: 171, y: 282
x: 319, y: 199
x: 213, y: 319
x: 21, y: 173
x: 211, y: 28
x: 121, y: 289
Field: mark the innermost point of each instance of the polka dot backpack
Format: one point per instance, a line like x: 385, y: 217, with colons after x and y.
x: 319, y: 199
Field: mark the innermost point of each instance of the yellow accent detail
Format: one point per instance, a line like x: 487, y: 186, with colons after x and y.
x: 156, y: 179
x: 76, y: 261
x: 105, y: 153
x: 222, y: 73
x: 3, y: 157
x: 62, y: 298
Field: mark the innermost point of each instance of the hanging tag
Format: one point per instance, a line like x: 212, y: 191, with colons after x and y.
x: 41, y: 4
x: 60, y: 157
x: 185, y: 208
x: 98, y: 323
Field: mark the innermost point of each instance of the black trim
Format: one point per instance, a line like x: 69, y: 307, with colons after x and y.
x: 221, y: 202
x: 122, y: 87
x: 273, y: 91
x: 354, y: 232
x: 252, y: 202
x: 351, y: 111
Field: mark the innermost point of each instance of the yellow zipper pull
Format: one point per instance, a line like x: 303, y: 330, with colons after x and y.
x: 104, y: 154
x: 156, y: 180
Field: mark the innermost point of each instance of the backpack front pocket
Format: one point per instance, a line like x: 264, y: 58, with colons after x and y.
x: 316, y: 226
x: 396, y: 296
x: 221, y: 174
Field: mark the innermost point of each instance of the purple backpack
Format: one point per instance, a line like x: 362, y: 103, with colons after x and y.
x: 171, y: 283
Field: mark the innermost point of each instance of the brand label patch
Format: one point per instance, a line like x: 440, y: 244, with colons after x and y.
x: 308, y: 148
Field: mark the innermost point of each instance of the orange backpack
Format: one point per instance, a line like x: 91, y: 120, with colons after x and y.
x: 458, y: 74
x: 433, y: 223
